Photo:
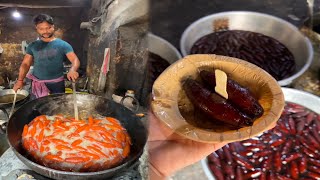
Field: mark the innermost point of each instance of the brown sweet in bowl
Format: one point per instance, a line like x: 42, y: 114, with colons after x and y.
x: 172, y: 106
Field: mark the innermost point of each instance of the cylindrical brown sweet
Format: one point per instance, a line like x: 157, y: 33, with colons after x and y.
x: 266, y: 163
x: 286, y: 147
x: 292, y: 126
x: 243, y: 162
x: 277, y: 142
x: 262, y: 153
x: 300, y: 126
x: 214, y: 105
x: 291, y: 157
x: 277, y: 161
x: 313, y: 175
x: 263, y: 176
x: 239, y: 174
x: 294, y: 171
x: 229, y: 170
x: 271, y: 176
x: 302, y: 165
x: 217, y: 172
x: 309, y: 118
x: 281, y: 177
x: 315, y: 162
x: 238, y: 96
x: 252, y: 174
x: 214, y: 158
x: 315, y: 134
x: 314, y: 169
x: 317, y: 123
x: 227, y: 154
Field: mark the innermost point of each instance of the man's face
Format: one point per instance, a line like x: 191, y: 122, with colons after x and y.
x: 45, y: 30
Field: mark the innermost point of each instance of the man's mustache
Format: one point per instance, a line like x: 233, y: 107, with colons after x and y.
x: 48, y: 34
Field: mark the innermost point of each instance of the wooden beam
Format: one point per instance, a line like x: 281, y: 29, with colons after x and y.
x: 45, y: 4
x: 39, y: 6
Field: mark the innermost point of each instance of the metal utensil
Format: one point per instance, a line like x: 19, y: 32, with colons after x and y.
x: 21, y: 96
x: 76, y: 113
x: 13, y: 104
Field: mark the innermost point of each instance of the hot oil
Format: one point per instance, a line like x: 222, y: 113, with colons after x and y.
x: 84, y: 114
x: 8, y: 98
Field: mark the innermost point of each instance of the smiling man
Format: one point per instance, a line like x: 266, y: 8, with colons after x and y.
x: 47, y: 55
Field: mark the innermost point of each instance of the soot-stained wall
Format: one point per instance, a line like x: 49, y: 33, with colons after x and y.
x: 122, y: 28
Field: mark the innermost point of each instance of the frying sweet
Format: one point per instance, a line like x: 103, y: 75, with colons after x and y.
x: 67, y: 144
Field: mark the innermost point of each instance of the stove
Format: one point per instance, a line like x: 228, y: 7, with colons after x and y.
x: 11, y: 168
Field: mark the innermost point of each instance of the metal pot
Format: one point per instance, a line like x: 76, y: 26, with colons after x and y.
x: 163, y: 48
x: 6, y: 101
x: 279, y: 29
x: 88, y: 104
x: 303, y: 98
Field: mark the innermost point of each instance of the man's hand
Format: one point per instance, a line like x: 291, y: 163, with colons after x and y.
x: 72, y: 75
x: 23, y: 70
x: 170, y: 152
x: 18, y: 85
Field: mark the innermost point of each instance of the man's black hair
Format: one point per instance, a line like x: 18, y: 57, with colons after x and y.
x: 40, y: 18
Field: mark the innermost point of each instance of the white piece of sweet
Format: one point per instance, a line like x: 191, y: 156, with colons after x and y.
x: 221, y: 83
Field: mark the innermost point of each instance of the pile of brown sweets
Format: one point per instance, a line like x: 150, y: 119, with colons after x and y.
x: 288, y: 151
x: 263, y: 51
x: 156, y: 65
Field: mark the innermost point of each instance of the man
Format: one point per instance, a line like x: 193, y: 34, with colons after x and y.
x: 47, y: 55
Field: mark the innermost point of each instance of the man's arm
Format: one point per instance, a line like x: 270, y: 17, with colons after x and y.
x: 73, y: 74
x: 23, y: 70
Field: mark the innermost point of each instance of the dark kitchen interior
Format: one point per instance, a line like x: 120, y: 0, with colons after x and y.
x: 91, y: 27
x: 16, y: 30
x: 101, y: 27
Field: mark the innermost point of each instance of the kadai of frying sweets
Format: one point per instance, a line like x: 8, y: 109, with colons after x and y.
x: 239, y: 109
x: 67, y: 144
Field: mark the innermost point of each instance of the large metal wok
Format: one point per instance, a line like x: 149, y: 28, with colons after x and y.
x: 6, y: 100
x: 87, y: 104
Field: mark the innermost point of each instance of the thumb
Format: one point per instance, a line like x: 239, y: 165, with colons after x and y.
x: 15, y: 89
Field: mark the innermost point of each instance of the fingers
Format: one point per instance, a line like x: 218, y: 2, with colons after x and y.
x: 158, y: 131
x: 16, y: 89
x: 218, y: 146
x: 17, y: 86
x: 72, y: 75
x: 75, y: 76
x: 184, y: 153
